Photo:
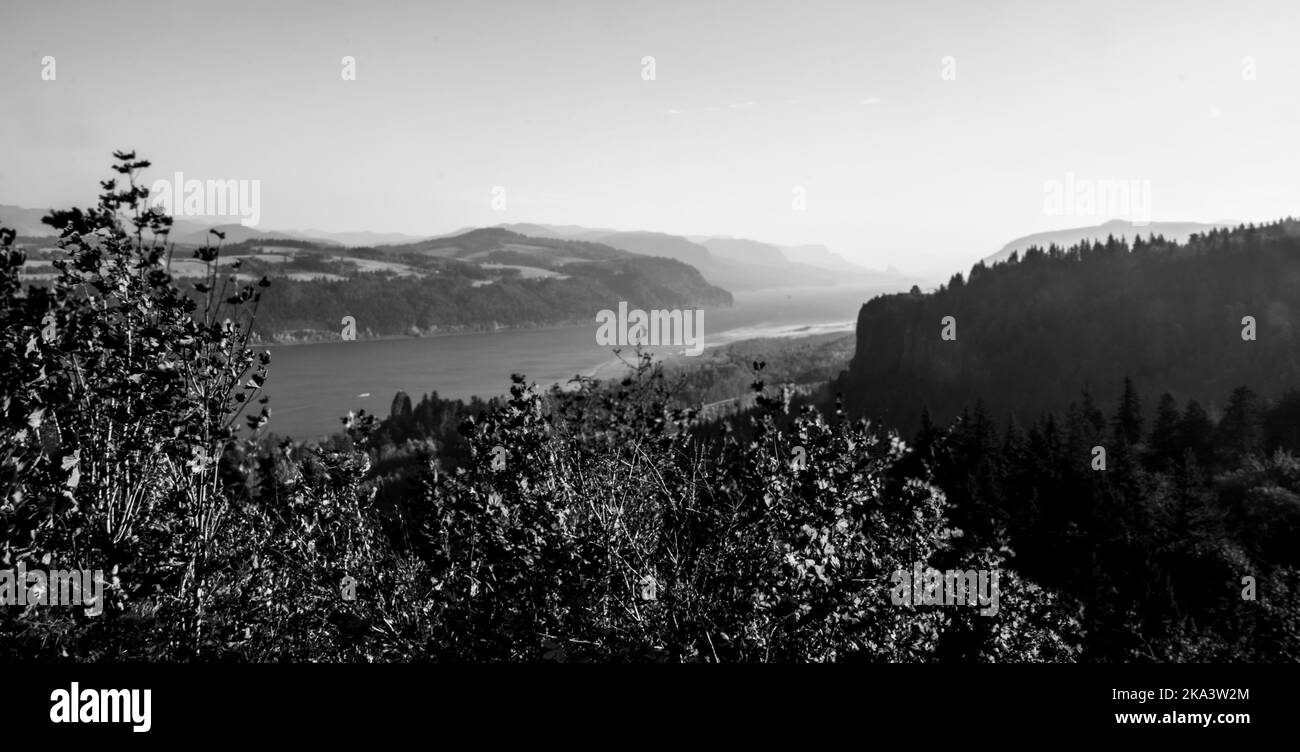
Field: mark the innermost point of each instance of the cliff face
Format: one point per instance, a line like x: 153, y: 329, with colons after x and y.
x: 902, y: 364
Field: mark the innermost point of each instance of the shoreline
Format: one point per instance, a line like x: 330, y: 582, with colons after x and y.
x: 439, y: 335
x: 604, y: 370
x: 803, y: 330
x: 817, y: 327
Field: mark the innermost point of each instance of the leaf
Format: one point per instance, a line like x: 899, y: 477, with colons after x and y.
x: 73, y: 461
x: 649, y: 588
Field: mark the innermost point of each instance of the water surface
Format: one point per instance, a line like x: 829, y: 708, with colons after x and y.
x: 312, y: 385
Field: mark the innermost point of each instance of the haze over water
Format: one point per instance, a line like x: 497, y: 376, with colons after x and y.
x: 312, y: 386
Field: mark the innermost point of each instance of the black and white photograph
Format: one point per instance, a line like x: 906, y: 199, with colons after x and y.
x: 412, y: 342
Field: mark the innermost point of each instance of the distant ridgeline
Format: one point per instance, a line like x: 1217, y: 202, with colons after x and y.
x: 1032, y: 332
x: 484, y: 279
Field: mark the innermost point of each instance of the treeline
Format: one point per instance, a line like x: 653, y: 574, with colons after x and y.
x: 1151, y: 523
x: 1029, y: 330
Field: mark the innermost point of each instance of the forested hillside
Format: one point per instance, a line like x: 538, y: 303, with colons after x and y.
x: 459, y: 298
x: 480, y: 280
x: 1031, y: 332
x: 1110, y: 416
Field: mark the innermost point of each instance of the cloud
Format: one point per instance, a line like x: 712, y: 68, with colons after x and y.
x: 872, y: 100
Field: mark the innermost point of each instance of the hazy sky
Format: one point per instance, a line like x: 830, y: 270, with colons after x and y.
x: 847, y: 100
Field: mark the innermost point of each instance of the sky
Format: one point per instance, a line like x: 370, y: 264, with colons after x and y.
x: 920, y: 135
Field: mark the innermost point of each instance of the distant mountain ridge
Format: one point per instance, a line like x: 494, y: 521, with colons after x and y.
x: 27, y: 222
x: 656, y: 244
x: 748, y: 251
x: 689, y: 247
x: 819, y: 256
x: 734, y: 263
x: 1175, y: 232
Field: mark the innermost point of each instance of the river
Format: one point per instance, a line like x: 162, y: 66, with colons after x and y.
x: 312, y: 385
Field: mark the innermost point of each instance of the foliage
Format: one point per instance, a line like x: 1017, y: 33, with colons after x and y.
x: 120, y: 397
x: 1157, y: 544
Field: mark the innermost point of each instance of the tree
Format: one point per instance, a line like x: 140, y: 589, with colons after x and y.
x: 1164, y: 445
x: 1282, y: 424
x: 1128, y: 419
x: 1239, y: 432
x: 1196, y: 432
x: 401, y: 409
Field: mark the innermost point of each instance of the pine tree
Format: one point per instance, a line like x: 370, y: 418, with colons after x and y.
x: 1282, y: 424
x: 1164, y: 441
x: 1196, y: 432
x: 928, y: 435
x: 1128, y: 421
x: 401, y: 409
x: 1092, y: 414
x: 1239, y: 433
